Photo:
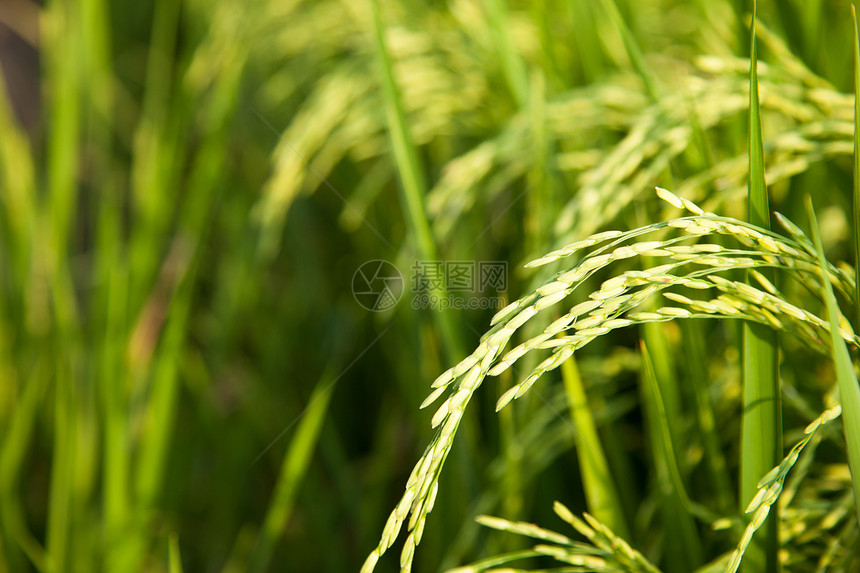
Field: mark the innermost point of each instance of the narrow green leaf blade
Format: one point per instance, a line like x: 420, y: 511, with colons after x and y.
x: 856, y: 205
x: 293, y: 470
x: 174, y: 557
x: 634, y: 52
x: 600, y: 492
x: 683, y: 551
x: 512, y: 64
x: 758, y: 208
x: 413, y: 183
x: 761, y: 430
x: 849, y: 389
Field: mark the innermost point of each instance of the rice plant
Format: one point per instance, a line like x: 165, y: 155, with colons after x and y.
x: 189, y: 381
x: 690, y: 261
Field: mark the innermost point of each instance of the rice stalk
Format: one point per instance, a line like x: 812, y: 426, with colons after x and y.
x: 800, y: 100
x: 604, y: 551
x: 769, y: 487
x: 611, y: 307
x: 654, y: 137
x: 544, y: 437
x: 614, y: 554
x: 432, y: 58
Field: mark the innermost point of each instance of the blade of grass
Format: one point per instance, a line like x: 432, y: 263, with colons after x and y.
x: 19, y: 404
x: 845, y: 370
x: 13, y: 449
x: 512, y: 494
x: 856, y: 202
x: 111, y: 386
x: 801, y: 22
x: 682, y: 549
x: 761, y: 427
x: 63, y: 65
x: 17, y: 177
x: 512, y: 64
x: 539, y: 206
x: 413, y: 184
x: 600, y: 492
x: 159, y: 417
x: 662, y: 358
x: 156, y: 153
x: 812, y: 11
x: 293, y: 470
x: 59, y: 532
x: 695, y: 360
x: 589, y: 50
x: 115, y: 468
x: 634, y: 52
x: 849, y: 389
x: 174, y: 557
x: 61, y: 48
x: 541, y: 12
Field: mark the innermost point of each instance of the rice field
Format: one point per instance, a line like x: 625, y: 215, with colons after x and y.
x: 407, y: 285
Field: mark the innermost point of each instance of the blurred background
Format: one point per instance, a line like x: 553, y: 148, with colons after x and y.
x: 191, y: 367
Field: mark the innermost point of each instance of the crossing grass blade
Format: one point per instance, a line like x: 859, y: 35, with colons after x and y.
x: 412, y: 178
x: 293, y: 470
x: 512, y: 495
x: 634, y: 52
x: 589, y: 50
x: 849, y: 389
x: 856, y: 195
x: 543, y: 21
x: 683, y: 550
x: 597, y: 482
x: 512, y: 64
x: 161, y: 410
x: 695, y: 362
x: 61, y: 48
x: 845, y: 369
x: 761, y: 425
x: 174, y: 557
x: 17, y: 180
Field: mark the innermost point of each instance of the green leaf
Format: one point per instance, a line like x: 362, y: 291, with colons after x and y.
x: 682, y: 546
x: 849, y: 389
x: 600, y: 491
x: 856, y: 205
x: 761, y: 430
x: 293, y: 470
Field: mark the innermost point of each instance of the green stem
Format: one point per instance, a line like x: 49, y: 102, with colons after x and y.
x: 761, y: 431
